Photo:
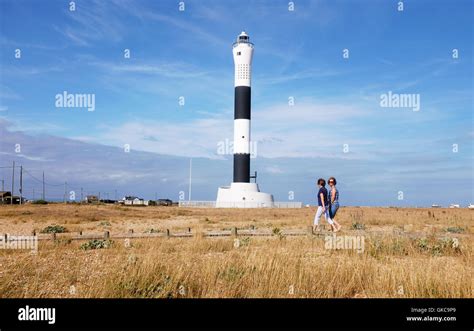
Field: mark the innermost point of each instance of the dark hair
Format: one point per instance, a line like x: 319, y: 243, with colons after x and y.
x: 321, y: 182
x: 333, y: 179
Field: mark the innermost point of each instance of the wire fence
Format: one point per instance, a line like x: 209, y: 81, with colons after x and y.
x: 240, y: 204
x: 36, y: 187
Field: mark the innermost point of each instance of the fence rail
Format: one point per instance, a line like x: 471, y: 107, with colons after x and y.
x: 240, y: 204
x: 232, y: 232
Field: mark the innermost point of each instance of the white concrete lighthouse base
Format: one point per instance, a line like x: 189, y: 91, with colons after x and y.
x: 243, y: 195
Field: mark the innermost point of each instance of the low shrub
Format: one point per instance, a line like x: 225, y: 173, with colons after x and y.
x: 96, y: 244
x: 358, y: 226
x: 40, y: 202
x: 455, y: 229
x: 54, y: 229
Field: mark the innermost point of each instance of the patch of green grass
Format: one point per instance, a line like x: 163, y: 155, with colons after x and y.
x: 40, y: 202
x: 437, y: 247
x: 96, y: 244
x: 278, y: 232
x: 54, y: 229
x: 455, y: 229
x: 232, y: 274
x: 358, y: 226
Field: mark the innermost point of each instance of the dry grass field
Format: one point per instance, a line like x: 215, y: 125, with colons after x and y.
x: 407, y: 253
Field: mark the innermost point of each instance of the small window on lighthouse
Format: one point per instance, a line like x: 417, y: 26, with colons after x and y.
x: 238, y: 53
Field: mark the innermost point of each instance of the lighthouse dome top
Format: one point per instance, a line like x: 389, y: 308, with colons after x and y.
x: 243, y: 38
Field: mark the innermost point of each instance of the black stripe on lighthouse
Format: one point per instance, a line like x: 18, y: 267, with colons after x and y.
x: 242, y: 103
x: 241, y: 168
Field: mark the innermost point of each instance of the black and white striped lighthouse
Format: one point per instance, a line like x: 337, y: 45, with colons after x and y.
x: 243, y: 53
x: 242, y: 193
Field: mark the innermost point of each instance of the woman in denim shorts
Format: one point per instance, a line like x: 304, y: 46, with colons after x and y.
x: 333, y: 198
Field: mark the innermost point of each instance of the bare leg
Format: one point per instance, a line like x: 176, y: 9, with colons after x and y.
x: 330, y: 221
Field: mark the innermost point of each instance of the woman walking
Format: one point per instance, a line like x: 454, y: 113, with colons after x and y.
x: 323, y: 206
x: 333, y: 201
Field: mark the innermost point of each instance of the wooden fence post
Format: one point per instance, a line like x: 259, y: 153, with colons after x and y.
x: 233, y: 232
x: 53, y: 236
x: 130, y: 231
x: 168, y: 234
x: 106, y: 234
x: 80, y: 233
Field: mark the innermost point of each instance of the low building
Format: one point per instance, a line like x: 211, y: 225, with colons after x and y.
x: 4, y: 196
x: 135, y: 201
x: 164, y: 202
x: 92, y: 199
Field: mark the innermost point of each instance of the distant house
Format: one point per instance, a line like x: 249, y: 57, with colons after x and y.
x: 453, y: 205
x: 435, y: 205
x: 92, y: 199
x: 135, y: 201
x: 4, y: 196
x: 164, y: 202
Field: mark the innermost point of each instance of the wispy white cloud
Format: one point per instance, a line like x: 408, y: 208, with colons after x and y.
x: 165, y: 69
x: 27, y: 157
x: 279, y: 78
x: 31, y: 70
x: 8, y: 93
x: 279, y: 131
x: 94, y: 21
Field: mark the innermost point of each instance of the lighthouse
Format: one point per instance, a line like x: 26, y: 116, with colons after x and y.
x: 242, y: 193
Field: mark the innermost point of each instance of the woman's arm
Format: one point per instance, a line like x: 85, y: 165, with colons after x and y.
x: 333, y: 195
x: 322, y: 201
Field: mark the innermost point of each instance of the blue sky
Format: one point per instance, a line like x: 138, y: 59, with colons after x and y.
x: 298, y: 54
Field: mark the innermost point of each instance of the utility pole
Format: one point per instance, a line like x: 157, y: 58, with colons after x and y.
x: 3, y: 184
x: 65, y: 191
x: 13, y: 182
x: 33, y: 194
x: 44, y: 197
x: 21, y: 183
x: 82, y: 195
x: 115, y: 195
x: 190, y: 173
